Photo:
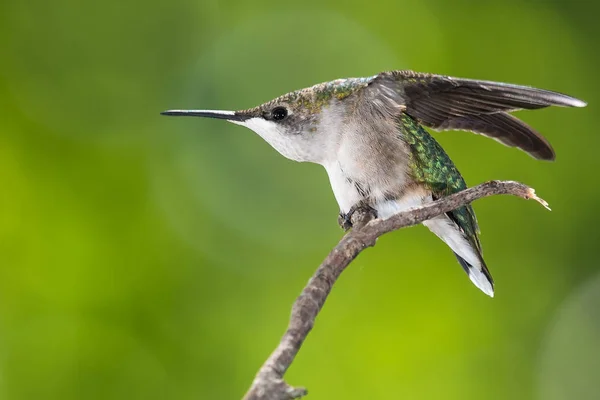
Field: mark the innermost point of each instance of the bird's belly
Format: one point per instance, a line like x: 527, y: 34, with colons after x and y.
x: 344, y: 189
x: 368, y: 169
x: 387, y: 208
x: 385, y: 190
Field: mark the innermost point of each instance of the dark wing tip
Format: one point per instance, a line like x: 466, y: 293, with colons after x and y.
x: 525, y: 96
x: 545, y: 155
x: 577, y: 102
x: 562, y: 100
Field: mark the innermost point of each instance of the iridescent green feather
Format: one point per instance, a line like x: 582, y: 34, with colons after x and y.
x: 432, y: 167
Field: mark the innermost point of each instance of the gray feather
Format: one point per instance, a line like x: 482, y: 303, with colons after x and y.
x: 443, y: 103
x: 506, y: 129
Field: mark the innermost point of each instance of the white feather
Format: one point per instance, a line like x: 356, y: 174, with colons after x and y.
x: 388, y: 208
x: 446, y: 229
x: 481, y: 281
x: 297, y: 147
x: 345, y: 192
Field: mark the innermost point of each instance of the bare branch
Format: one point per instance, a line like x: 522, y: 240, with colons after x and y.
x: 269, y: 383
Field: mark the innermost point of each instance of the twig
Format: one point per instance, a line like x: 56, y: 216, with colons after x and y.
x: 269, y: 383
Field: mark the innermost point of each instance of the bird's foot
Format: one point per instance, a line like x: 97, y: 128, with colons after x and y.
x: 344, y: 222
x: 359, y: 213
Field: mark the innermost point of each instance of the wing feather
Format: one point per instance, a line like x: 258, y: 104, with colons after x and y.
x: 444, y: 103
x: 507, y: 130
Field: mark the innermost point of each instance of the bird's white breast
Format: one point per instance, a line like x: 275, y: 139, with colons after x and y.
x: 370, y: 167
x: 344, y: 190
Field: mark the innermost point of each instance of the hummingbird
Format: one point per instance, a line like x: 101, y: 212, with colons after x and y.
x: 369, y: 134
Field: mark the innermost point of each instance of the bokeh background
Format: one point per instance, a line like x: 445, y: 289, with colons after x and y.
x: 145, y: 257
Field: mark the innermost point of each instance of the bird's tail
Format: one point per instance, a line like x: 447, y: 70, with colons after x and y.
x: 478, y: 274
x: 466, y: 252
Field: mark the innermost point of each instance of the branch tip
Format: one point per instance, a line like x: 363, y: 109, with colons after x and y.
x: 296, y: 393
x: 531, y: 195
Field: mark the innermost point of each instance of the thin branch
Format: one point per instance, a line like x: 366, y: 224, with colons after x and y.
x: 269, y: 383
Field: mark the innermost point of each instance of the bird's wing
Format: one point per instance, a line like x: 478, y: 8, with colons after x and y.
x: 443, y: 103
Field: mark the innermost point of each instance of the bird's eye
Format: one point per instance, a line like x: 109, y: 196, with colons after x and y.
x: 279, y: 113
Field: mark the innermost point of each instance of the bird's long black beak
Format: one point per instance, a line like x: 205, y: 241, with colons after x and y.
x: 227, y: 115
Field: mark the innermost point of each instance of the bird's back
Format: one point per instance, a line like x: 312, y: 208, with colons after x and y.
x: 431, y: 166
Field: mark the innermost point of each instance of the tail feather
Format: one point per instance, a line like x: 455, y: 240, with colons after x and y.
x: 466, y: 251
x: 480, y: 277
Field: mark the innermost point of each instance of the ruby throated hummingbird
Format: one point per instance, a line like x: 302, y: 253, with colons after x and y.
x: 369, y: 135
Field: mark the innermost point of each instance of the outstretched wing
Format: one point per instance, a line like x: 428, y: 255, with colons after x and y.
x: 443, y: 103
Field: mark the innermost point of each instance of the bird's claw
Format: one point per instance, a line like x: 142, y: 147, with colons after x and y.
x: 345, y: 220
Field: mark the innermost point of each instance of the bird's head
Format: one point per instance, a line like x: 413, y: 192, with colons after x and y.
x: 296, y: 124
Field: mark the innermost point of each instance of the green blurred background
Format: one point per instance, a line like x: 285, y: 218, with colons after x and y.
x: 144, y: 257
